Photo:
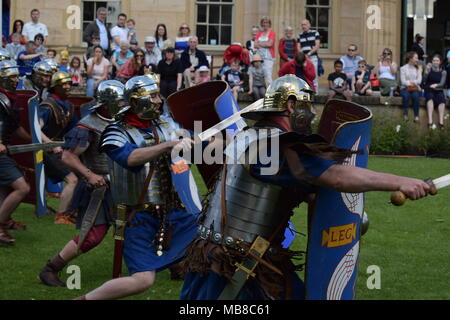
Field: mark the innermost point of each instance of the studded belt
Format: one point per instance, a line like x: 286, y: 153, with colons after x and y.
x: 206, y: 233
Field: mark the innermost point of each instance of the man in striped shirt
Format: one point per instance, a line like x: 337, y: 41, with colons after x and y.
x: 309, y: 42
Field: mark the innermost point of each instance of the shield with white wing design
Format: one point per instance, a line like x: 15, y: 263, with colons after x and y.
x: 334, y: 233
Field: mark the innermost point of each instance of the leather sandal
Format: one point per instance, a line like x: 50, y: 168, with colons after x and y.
x: 5, y: 237
x: 15, y: 225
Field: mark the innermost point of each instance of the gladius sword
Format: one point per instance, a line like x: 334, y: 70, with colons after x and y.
x: 398, y: 198
x: 22, y: 148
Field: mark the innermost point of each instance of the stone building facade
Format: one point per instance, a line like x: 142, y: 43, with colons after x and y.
x: 343, y: 22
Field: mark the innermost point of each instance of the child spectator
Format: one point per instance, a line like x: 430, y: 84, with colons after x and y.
x: 337, y: 82
x: 51, y: 53
x: 256, y: 80
x: 234, y: 78
x: 361, y: 80
x: 75, y: 71
x: 202, y: 75
x: 90, y: 50
x: 39, y: 40
x: 64, y: 60
x: 131, y: 26
x: 15, y: 47
x: 133, y: 45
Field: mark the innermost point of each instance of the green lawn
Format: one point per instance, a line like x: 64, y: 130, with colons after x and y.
x: 409, y: 244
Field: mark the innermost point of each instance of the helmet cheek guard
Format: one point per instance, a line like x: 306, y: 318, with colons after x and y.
x: 142, y: 93
x: 278, y: 94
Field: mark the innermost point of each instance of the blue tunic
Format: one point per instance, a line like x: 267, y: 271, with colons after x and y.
x: 211, y: 285
x: 139, y: 247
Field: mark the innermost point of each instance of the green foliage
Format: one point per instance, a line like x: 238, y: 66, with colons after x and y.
x: 393, y: 137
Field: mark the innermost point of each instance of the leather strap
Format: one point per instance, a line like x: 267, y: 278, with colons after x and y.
x: 224, y: 224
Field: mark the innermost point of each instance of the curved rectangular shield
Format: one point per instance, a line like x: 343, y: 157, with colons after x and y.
x: 32, y: 165
x: 210, y: 103
x: 82, y: 104
x: 334, y: 233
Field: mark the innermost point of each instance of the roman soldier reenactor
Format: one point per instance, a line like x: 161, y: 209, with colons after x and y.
x: 238, y: 253
x: 158, y: 227
x: 13, y: 187
x: 92, y: 198
x: 57, y: 117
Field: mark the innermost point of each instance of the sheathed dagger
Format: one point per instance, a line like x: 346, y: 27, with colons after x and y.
x: 398, y: 198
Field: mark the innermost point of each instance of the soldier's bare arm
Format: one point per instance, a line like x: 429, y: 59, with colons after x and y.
x: 355, y: 179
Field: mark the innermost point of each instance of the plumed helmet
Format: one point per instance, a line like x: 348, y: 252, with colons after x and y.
x: 111, y: 93
x: 8, y: 69
x: 4, y: 54
x: 140, y: 93
x: 278, y: 93
x: 59, y: 78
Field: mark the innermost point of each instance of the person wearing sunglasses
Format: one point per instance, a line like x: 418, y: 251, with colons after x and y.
x: 131, y: 67
x: 182, y: 39
x: 351, y: 61
x: 386, y: 70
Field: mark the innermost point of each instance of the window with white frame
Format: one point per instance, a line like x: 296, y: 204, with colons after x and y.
x: 214, y: 20
x: 318, y: 12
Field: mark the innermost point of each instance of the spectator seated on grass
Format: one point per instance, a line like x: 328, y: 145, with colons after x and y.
x: 337, y: 82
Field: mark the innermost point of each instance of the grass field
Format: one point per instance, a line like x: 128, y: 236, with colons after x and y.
x: 410, y: 244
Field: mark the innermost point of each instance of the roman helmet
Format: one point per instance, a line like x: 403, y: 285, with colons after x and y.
x: 4, y: 54
x: 53, y: 64
x: 59, y: 78
x: 8, y: 69
x: 277, y: 96
x: 41, y: 69
x: 153, y: 76
x: 111, y: 93
x: 141, y: 92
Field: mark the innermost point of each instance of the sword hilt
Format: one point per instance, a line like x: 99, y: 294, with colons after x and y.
x: 398, y: 198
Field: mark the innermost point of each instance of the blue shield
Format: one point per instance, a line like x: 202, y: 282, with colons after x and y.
x: 333, y: 242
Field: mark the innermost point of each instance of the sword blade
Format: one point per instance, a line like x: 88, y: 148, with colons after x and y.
x: 22, y: 148
x: 442, y: 182
x: 208, y: 133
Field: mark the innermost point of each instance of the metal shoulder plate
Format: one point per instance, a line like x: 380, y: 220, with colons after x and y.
x: 5, y: 103
x: 114, y: 135
x: 94, y: 123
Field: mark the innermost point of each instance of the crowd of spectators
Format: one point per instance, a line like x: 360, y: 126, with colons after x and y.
x: 116, y: 54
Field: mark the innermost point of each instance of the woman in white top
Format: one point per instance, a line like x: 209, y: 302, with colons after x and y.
x: 265, y: 46
x: 386, y: 70
x: 97, y: 70
x: 411, y: 77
